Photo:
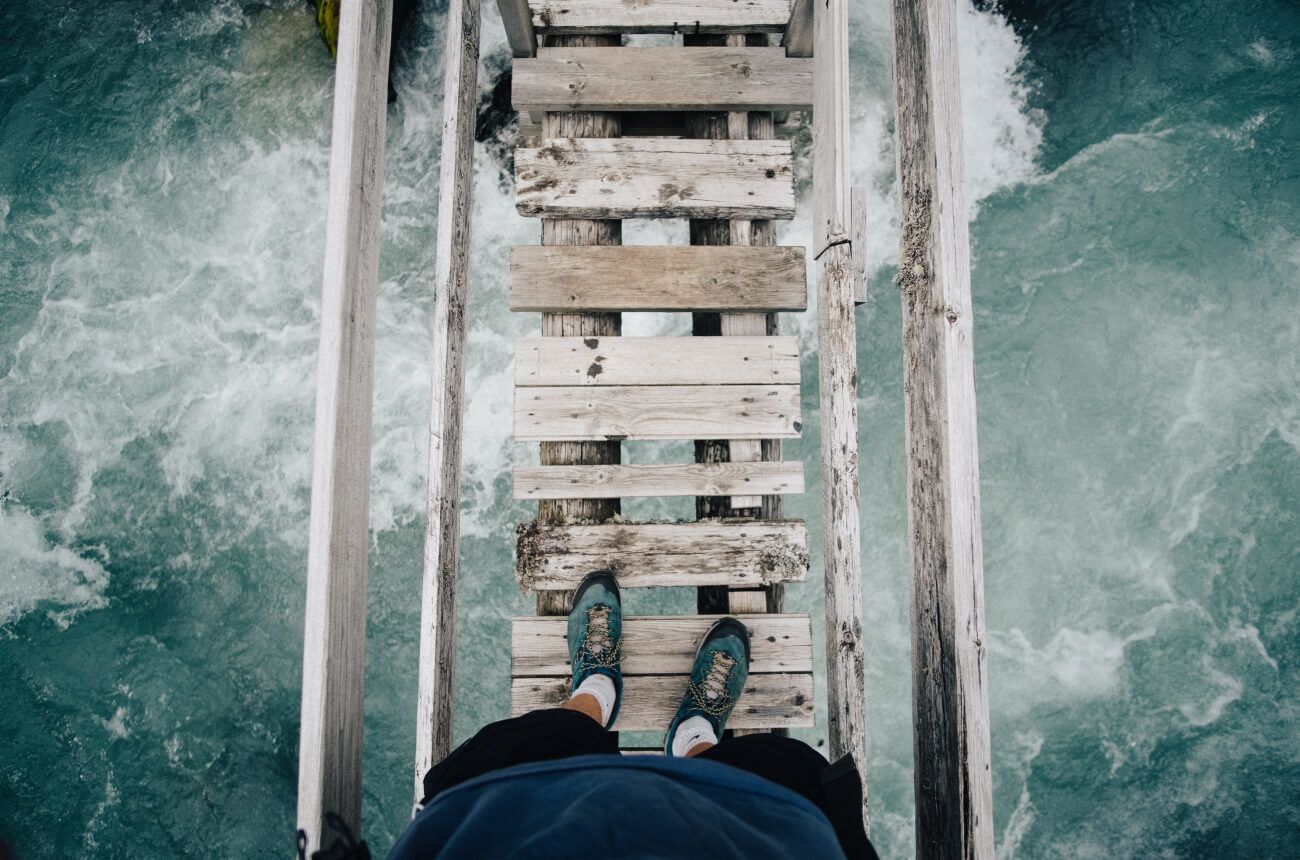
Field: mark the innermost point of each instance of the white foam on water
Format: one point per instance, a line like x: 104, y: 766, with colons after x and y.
x: 35, y: 572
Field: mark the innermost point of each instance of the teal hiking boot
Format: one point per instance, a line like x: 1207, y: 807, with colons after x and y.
x: 717, y: 678
x: 596, y: 633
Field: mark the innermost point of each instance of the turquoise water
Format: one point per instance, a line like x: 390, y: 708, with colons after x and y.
x: 1136, y: 264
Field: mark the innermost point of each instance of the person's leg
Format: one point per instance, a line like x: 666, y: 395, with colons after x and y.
x: 578, y: 727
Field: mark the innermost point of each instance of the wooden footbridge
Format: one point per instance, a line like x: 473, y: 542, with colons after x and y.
x: 691, y: 126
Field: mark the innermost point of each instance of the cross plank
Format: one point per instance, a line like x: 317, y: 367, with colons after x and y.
x: 662, y: 644
x: 583, y: 412
x: 649, y: 701
x: 657, y: 479
x: 742, y: 553
x: 657, y: 278
x: 655, y: 178
x: 656, y: 361
x: 667, y: 79
x: 659, y: 16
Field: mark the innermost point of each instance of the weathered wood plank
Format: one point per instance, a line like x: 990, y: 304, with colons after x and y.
x: 667, y: 79
x: 334, y: 635
x: 657, y: 278
x: 798, y: 38
x: 663, y: 644
x: 657, y: 479
x: 656, y: 361
x: 518, y: 23
x: 838, y: 374
x: 649, y: 701
x: 657, y: 412
x: 573, y: 231
x: 435, y: 696
x: 953, y: 779
x: 744, y: 553
x: 659, y: 16
x: 655, y: 178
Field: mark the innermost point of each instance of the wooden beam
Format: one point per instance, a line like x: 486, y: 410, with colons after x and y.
x: 435, y: 697
x: 745, y: 553
x: 657, y: 479
x: 657, y: 278
x: 668, y: 79
x: 655, y: 178
x: 333, y: 676
x: 518, y: 23
x: 656, y: 412
x: 954, y: 794
x: 798, y: 38
x: 656, y: 361
x: 662, y: 644
x: 659, y: 16
x: 838, y: 371
x: 649, y: 701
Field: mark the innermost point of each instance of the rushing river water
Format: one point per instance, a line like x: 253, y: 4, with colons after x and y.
x: 1134, y: 176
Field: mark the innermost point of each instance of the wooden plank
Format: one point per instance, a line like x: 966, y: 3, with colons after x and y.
x: 435, y: 696
x: 334, y: 635
x: 657, y: 412
x: 518, y: 23
x: 649, y: 701
x: 798, y: 38
x: 657, y: 278
x: 744, y: 553
x: 838, y: 374
x: 663, y: 644
x: 657, y: 479
x: 659, y: 16
x: 656, y: 361
x: 655, y: 178
x: 668, y: 79
x: 580, y: 324
x: 953, y: 770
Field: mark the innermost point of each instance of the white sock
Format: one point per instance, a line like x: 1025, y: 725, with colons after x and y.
x: 601, y: 688
x: 692, y: 731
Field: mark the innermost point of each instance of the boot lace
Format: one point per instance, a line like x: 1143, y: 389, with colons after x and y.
x: 710, y: 695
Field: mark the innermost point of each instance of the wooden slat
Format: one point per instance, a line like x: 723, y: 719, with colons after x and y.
x: 657, y: 479
x: 649, y: 701
x: 657, y: 278
x: 663, y: 644
x: 518, y: 24
x: 950, y: 693
x: 338, y: 537
x: 435, y: 696
x: 669, y: 79
x: 656, y: 361
x: 659, y: 16
x: 657, y: 412
x: 746, y: 553
x: 655, y: 178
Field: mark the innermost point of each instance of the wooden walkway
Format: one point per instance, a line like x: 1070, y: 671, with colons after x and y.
x: 687, y: 129
x: 585, y: 393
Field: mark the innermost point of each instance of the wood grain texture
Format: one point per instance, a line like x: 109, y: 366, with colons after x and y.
x: 435, y: 697
x: 656, y: 361
x: 659, y: 16
x: 655, y: 178
x: 518, y: 23
x: 582, y: 323
x: 745, y: 553
x: 662, y: 644
x: 657, y: 479
x: 333, y: 676
x: 656, y: 412
x: 657, y: 278
x: 649, y: 701
x: 953, y: 772
x: 662, y: 79
x: 846, y: 700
